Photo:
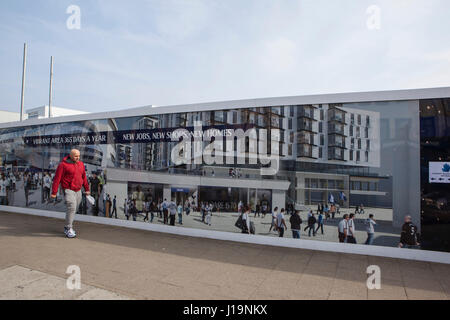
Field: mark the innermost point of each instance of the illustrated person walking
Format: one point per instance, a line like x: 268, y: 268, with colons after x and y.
x: 47, y: 187
x: 246, y: 219
x: 153, y: 210
x: 180, y: 213
x: 172, y: 211
x: 133, y: 209
x: 311, y: 223
x: 296, y: 222
x: 114, y: 208
x: 208, y: 209
x: 71, y: 175
x: 126, y: 207
x: 370, y: 223
x: 165, y: 206
x: 95, y: 192
x: 281, y: 223
x: 27, y: 187
x: 274, y: 219
x: 332, y: 211
x: 342, y: 228
x: 319, y: 223
x: 351, y: 229
x: 3, y: 186
x: 409, y: 237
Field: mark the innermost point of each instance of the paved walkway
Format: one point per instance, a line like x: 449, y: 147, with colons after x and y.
x: 125, y: 263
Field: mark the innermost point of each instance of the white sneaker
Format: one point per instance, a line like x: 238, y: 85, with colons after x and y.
x: 70, y: 233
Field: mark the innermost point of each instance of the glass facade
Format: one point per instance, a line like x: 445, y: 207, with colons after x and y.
x: 435, y: 194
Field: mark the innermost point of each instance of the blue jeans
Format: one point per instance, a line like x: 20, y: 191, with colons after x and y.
x: 152, y: 215
x: 296, y: 234
x: 311, y: 228
x: 369, y: 240
x: 180, y: 218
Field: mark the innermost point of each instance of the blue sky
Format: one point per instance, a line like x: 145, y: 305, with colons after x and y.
x: 165, y: 52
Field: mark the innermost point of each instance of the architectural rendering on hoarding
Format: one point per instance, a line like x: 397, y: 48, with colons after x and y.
x: 203, y: 169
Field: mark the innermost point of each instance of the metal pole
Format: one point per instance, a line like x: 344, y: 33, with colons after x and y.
x: 23, y: 80
x: 50, y: 90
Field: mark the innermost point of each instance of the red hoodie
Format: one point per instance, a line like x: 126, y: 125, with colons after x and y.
x: 71, y: 175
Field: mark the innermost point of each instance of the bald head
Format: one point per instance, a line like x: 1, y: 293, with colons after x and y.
x: 75, y: 155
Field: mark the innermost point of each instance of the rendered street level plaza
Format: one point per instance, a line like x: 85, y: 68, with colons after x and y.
x: 385, y: 233
x: 122, y: 263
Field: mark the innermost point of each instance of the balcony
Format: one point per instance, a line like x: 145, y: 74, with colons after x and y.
x: 306, y: 138
x: 275, y: 111
x: 305, y: 125
x: 336, y: 128
x: 336, y: 140
x: 304, y: 154
x: 305, y: 151
x: 339, y: 144
x: 306, y: 113
x: 336, y: 117
x: 336, y: 153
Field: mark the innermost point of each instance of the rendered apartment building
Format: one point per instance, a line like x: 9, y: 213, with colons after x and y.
x: 351, y: 149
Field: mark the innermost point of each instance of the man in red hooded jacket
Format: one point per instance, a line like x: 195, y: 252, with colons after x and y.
x: 72, y: 176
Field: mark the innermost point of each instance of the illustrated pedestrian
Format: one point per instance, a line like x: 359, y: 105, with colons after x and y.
x: 296, y: 222
x: 126, y: 207
x: 409, y: 237
x: 342, y: 228
x: 311, y: 224
x: 273, y: 225
x: 246, y: 219
x: 258, y: 209
x: 180, y: 213
x: 114, y: 208
x: 165, y: 207
x: 281, y: 223
x: 145, y: 208
x: 153, y: 210
x: 27, y: 185
x: 208, y: 209
x: 47, y: 187
x: 326, y: 210
x: 332, y: 211
x: 351, y: 231
x: 3, y: 186
x: 95, y: 191
x: 319, y: 223
x: 370, y: 223
x: 361, y: 209
x: 172, y: 212
x: 133, y: 209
